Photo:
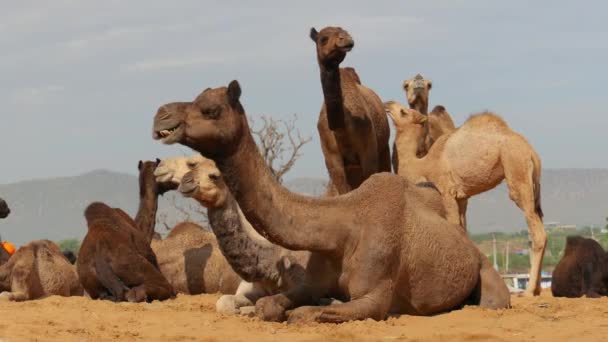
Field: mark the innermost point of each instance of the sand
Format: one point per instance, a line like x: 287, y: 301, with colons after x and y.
x: 192, y: 318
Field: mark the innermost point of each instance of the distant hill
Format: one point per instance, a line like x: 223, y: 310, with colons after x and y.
x: 52, y: 208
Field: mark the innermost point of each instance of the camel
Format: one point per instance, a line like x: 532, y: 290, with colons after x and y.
x: 477, y: 157
x: 190, y: 260
x: 38, y: 270
x: 582, y: 271
x: 353, y: 128
x: 70, y: 256
x: 378, y: 249
x: 439, y: 123
x: 266, y: 269
x: 115, y: 260
x: 149, y: 190
x: 4, y: 209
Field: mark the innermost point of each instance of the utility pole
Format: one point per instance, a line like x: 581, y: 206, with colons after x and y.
x: 494, y: 251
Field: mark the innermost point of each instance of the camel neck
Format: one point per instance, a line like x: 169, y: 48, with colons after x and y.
x: 420, y: 104
x: 247, y: 253
x: 293, y: 221
x: 332, y: 94
x: 145, y: 219
x: 408, y: 144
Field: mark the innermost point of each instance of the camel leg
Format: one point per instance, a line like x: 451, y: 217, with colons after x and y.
x: 491, y: 292
x: 21, y: 283
x: 246, y: 295
x: 374, y: 305
x: 521, y: 191
x: 462, y: 211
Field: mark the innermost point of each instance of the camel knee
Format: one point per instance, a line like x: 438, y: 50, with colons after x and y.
x: 539, y: 240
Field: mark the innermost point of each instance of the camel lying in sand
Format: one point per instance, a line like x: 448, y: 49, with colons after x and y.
x: 378, y: 249
x: 266, y: 268
x: 477, y: 157
x: 4, y: 209
x: 582, y: 271
x: 38, y: 270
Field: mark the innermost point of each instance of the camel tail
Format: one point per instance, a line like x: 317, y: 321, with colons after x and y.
x: 107, y: 278
x: 536, y: 183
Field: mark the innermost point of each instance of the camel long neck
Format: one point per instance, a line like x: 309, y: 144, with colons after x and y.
x: 332, y: 94
x: 408, y: 144
x: 420, y: 104
x: 247, y: 253
x: 145, y: 219
x: 292, y: 221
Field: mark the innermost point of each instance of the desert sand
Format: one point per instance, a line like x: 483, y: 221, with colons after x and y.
x: 192, y: 318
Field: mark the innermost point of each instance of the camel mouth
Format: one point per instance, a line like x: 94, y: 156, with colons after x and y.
x: 348, y: 46
x: 168, y: 135
x: 188, y: 189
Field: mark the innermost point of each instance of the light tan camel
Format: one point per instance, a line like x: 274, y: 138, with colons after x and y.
x: 267, y: 269
x: 440, y: 123
x: 379, y: 249
x: 36, y: 270
x: 477, y: 157
x: 353, y: 129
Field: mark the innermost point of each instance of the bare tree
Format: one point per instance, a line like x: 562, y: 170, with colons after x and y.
x: 279, y: 142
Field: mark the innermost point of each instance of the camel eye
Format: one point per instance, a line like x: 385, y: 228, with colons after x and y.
x: 214, y: 177
x: 212, y: 113
x: 403, y: 113
x: 324, y: 40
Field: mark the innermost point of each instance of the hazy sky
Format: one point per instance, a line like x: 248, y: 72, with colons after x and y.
x: 80, y: 80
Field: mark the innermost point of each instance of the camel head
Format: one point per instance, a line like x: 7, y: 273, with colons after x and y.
x: 172, y: 170
x: 333, y: 43
x: 212, y: 124
x: 147, y: 179
x: 402, y: 116
x: 417, y: 91
x: 4, y: 210
x: 204, y: 183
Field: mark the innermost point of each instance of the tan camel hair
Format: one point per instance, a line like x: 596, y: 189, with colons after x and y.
x: 352, y: 126
x: 477, y: 157
x: 37, y: 270
x: 380, y: 250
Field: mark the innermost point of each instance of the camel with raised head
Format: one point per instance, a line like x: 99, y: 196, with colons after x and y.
x: 379, y: 249
x: 266, y: 269
x: 37, y: 270
x: 477, y: 157
x: 353, y: 128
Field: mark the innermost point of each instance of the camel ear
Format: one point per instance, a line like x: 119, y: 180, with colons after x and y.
x: 430, y: 84
x: 234, y: 92
x: 157, y: 161
x: 140, y: 165
x: 405, y: 85
x: 314, y: 34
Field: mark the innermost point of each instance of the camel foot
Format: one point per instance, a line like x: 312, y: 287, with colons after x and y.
x: 6, y: 296
x: 329, y: 301
x: 226, y: 305
x: 592, y: 294
x: 136, y: 294
x: 247, y: 311
x: 305, y: 314
x: 268, y: 310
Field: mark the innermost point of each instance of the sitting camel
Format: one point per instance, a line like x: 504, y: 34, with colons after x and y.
x: 582, y: 271
x: 4, y: 210
x: 477, y: 157
x: 115, y: 260
x: 38, y: 270
x: 267, y: 269
x: 353, y: 128
x: 377, y: 248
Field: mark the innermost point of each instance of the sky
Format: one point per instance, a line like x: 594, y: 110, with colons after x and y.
x: 80, y: 81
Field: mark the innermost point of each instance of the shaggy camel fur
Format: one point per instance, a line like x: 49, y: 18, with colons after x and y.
x: 4, y: 210
x: 377, y: 247
x: 266, y: 268
x: 37, y: 270
x: 115, y: 259
x: 582, y: 271
x: 477, y: 157
x: 353, y: 128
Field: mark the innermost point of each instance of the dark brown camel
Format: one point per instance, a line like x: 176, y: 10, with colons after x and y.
x: 353, y: 128
x: 4, y: 209
x: 381, y: 250
x: 582, y: 271
x: 115, y: 259
x: 149, y: 189
x: 38, y: 270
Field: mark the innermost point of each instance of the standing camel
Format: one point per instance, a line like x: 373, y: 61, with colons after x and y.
x: 379, y: 249
x: 477, y: 157
x: 352, y: 125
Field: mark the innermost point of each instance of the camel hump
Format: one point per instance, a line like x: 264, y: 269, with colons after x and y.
x: 438, y: 109
x: 97, y: 210
x: 486, y: 119
x: 351, y: 74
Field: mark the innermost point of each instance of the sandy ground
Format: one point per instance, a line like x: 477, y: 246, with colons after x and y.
x: 192, y: 318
